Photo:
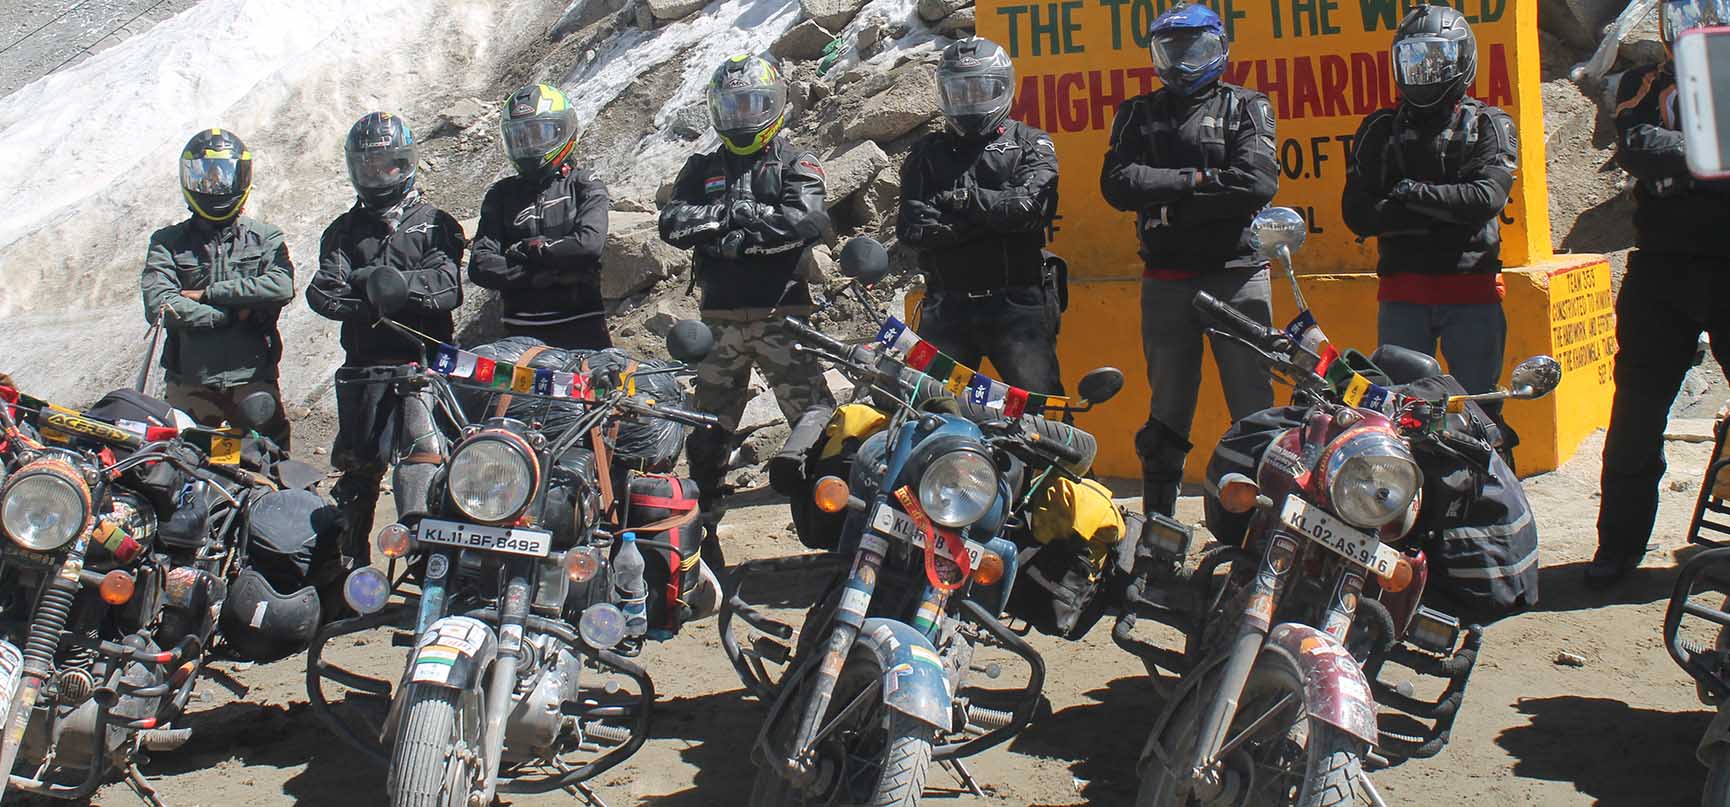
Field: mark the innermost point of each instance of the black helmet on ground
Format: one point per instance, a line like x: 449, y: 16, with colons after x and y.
x: 1435, y: 56
x: 215, y: 174
x: 380, y: 152
x: 976, y: 86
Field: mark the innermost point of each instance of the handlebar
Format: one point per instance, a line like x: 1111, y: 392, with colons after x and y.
x: 689, y: 417
x: 1064, y: 454
x: 1238, y: 324
x: 804, y: 330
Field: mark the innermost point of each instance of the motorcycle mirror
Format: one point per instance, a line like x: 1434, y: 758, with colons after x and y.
x: 864, y: 259
x: 255, y: 410
x: 1275, y: 228
x: 1100, y: 385
x: 689, y: 341
x: 387, y: 289
x: 1535, y: 377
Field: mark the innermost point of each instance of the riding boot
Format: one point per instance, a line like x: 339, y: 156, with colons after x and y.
x: 1162, y: 453
x: 356, y: 493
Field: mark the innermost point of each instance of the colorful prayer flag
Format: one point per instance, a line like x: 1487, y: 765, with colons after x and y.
x: 1035, y: 403
x: 958, y: 379
x: 998, y: 390
x: 1014, y: 402
x: 940, y: 367
x: 444, y: 359
x: 921, y: 356
x: 1327, y: 357
x: 503, y: 375
x: 562, y: 385
x: 466, y: 363
x: 484, y: 370
x: 523, y: 379
x: 543, y: 382
x: 1377, y: 398
x: 979, y: 390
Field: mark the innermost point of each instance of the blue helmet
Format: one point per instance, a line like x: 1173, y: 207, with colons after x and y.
x: 1188, y: 47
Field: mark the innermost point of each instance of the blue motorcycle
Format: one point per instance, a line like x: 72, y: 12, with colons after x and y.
x: 877, y: 685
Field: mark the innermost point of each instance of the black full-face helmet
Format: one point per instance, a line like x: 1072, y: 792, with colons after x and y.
x: 380, y: 152
x: 539, y: 128
x: 1435, y: 56
x: 976, y: 86
x: 215, y: 174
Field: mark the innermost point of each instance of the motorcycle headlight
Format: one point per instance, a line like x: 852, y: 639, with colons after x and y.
x: 1372, y: 480
x: 958, y: 488
x: 493, y: 476
x: 44, y: 506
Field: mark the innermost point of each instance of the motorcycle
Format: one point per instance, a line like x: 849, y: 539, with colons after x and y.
x: 1707, y: 572
x: 1279, y: 688
x: 514, y: 579
x: 112, y: 582
x: 882, y: 679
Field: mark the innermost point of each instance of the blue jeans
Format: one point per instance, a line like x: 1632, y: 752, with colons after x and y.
x: 1473, y: 337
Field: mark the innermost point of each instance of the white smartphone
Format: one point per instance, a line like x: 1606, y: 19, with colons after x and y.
x: 1703, y: 88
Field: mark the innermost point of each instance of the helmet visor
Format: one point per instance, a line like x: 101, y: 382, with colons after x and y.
x: 1681, y: 15
x: 380, y: 168
x: 216, y: 176
x: 536, y: 137
x: 973, y: 94
x: 1426, y: 60
x: 1186, y: 48
x: 747, y: 107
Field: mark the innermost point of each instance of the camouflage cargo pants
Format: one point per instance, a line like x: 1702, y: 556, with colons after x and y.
x: 723, y: 388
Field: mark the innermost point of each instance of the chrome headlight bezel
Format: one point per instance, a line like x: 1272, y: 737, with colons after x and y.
x: 965, y: 471
x: 1351, y: 471
x: 471, y: 493
x: 65, y: 489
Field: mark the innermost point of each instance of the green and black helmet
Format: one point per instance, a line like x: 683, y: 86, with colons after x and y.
x: 747, y: 103
x: 215, y: 174
x: 539, y: 128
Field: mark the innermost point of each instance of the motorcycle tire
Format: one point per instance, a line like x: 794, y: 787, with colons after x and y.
x: 424, y: 771
x: 1717, y: 792
x: 906, y: 754
x: 1332, y: 770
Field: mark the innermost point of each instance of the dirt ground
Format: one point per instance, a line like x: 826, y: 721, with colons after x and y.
x: 1618, y: 731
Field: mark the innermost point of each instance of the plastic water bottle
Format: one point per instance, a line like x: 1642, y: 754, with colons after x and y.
x: 632, y: 589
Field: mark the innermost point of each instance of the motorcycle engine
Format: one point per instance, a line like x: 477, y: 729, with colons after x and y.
x: 536, y: 722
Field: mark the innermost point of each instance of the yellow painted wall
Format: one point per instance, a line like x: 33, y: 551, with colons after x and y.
x: 1573, y: 292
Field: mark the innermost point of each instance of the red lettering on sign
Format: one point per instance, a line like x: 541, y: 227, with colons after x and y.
x: 1071, y: 109
x: 1365, y: 84
x: 1026, y: 107
x: 1101, y: 102
x: 1335, y: 76
x: 1306, y: 101
x: 1275, y: 88
x: 1050, y: 104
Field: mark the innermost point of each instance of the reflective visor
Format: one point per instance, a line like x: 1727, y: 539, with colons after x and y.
x: 1681, y: 15
x: 535, y: 137
x: 1186, y: 48
x: 970, y: 95
x: 1426, y: 60
x: 217, y: 176
x: 749, y: 108
x: 381, y: 168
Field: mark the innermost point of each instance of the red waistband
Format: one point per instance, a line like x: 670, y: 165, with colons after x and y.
x: 1168, y: 274
x: 1411, y: 287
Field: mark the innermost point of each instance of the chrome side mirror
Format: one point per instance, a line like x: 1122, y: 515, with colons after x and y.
x: 1278, y: 232
x: 1534, y: 378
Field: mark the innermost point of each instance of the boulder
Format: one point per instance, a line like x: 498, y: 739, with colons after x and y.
x: 583, y: 13
x: 877, y: 202
x: 908, y: 103
x: 675, y: 9
x: 630, y: 205
x: 460, y: 115
x: 934, y: 10
x: 819, y: 265
x: 635, y: 257
x: 850, y: 170
x: 832, y: 14
x: 959, y: 22
x: 866, y: 39
x: 802, y: 42
x: 1580, y: 23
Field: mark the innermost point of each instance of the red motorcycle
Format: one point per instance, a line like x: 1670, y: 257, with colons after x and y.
x: 1289, y: 625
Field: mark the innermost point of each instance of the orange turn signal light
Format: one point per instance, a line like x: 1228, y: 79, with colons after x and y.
x: 393, y: 541
x: 1237, y: 493
x: 831, y: 494
x: 581, y: 565
x: 1399, y: 579
x: 989, y: 570
x: 116, y: 587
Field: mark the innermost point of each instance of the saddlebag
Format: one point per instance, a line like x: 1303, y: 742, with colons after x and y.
x: 663, y: 510
x: 1064, y: 588
x: 293, y: 535
x: 1240, y: 450
x: 830, y: 443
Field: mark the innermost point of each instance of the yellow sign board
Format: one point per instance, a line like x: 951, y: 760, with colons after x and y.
x: 1324, y: 64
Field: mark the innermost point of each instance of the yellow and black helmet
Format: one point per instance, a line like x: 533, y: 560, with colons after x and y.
x: 747, y: 103
x: 215, y: 174
x: 539, y: 128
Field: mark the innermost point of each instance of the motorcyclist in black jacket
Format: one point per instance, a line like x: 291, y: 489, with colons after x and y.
x: 389, y: 225
x: 976, y: 200
x: 541, y: 232
x: 1677, y: 282
x: 1194, y: 160
x: 750, y: 211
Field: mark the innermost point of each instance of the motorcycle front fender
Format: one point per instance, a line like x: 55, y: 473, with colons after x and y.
x: 1335, y: 690
x: 1716, y: 736
x: 914, y: 682
x: 453, y: 653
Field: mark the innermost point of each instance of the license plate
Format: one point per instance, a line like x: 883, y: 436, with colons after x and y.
x: 510, y: 540
x: 1339, y: 537
x: 895, y: 524
x: 11, y: 669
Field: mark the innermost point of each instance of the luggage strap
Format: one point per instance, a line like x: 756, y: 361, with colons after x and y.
x: 528, y: 356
